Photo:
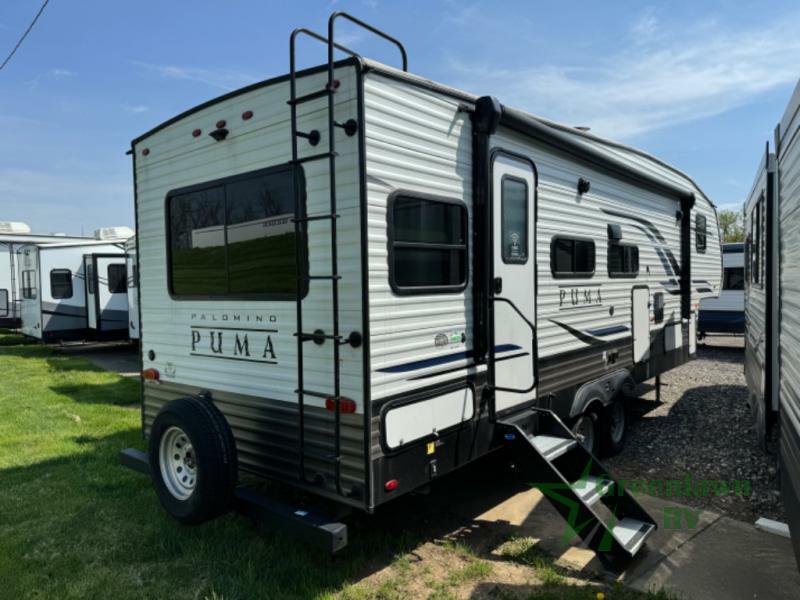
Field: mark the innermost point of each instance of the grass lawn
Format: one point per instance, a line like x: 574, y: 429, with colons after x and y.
x: 74, y: 524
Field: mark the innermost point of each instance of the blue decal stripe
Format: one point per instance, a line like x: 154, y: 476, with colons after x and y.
x: 607, y: 330
x: 442, y: 360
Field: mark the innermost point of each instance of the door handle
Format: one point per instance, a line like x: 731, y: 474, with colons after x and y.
x: 498, y: 285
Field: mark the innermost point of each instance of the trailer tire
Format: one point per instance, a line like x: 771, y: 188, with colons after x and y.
x: 613, y: 427
x: 193, y: 461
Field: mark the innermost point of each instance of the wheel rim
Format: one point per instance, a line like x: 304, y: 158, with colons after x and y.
x: 177, y: 462
x: 584, y: 431
x: 616, y: 421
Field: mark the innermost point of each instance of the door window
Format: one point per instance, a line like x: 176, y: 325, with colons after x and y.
x: 514, y: 210
x: 3, y: 303
x: 61, y: 284
x: 29, y: 285
x: 117, y: 279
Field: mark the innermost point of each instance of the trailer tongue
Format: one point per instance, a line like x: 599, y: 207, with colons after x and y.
x: 595, y: 506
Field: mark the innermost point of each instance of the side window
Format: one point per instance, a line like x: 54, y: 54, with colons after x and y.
x: 29, y: 285
x: 755, y: 244
x: 235, y: 237
x: 514, y: 210
x: 427, y: 244
x: 4, y: 303
x: 658, y: 307
x: 700, y: 232
x: 117, y: 279
x: 571, y: 258
x: 61, y: 284
x: 90, y: 278
x: 623, y: 260
x: 734, y: 278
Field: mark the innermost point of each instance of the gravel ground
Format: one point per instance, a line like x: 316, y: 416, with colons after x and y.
x: 702, y: 430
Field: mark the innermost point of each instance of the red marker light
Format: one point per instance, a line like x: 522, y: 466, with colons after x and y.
x: 346, y: 405
x: 146, y: 151
x: 391, y: 485
x: 221, y: 124
x: 151, y: 374
x: 247, y: 115
x: 196, y: 133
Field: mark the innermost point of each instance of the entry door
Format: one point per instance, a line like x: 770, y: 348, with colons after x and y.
x: 91, y: 291
x: 514, y: 301
x: 640, y: 323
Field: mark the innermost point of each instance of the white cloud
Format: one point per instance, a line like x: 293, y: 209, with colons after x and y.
x: 61, y: 73
x: 659, y: 81
x: 135, y: 108
x: 224, y: 79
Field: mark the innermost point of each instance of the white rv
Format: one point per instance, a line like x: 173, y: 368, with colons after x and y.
x: 725, y: 314
x: 133, y: 288
x: 357, y: 280
x: 772, y: 305
x: 13, y: 236
x: 73, y: 290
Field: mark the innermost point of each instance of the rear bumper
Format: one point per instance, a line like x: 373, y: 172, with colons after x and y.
x: 721, y: 321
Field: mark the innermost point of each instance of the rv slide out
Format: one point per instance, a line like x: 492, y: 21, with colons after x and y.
x: 772, y: 305
x: 73, y: 290
x: 364, y: 280
x: 725, y: 314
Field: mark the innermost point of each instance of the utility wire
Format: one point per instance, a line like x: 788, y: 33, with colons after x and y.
x: 24, y: 35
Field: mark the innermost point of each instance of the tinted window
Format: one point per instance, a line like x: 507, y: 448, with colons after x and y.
x: 734, y: 278
x: 117, y: 279
x: 61, y: 284
x: 514, y: 209
x: 3, y: 303
x: 571, y: 258
x: 700, y: 233
x: 90, y: 278
x: 28, y: 285
x: 428, y: 239
x: 658, y: 307
x: 755, y: 243
x: 623, y: 260
x: 235, y: 237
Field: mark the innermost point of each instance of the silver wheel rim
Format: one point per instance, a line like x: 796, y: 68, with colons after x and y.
x: 616, y: 421
x: 177, y: 462
x: 584, y: 431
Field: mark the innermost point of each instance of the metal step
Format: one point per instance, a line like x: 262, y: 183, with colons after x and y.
x: 312, y: 96
x: 319, y: 156
x: 591, y: 488
x: 631, y: 533
x: 551, y: 447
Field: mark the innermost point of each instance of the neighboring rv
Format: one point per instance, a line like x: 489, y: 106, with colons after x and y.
x: 772, y: 305
x: 361, y: 280
x: 13, y: 236
x: 133, y: 288
x: 73, y: 290
x: 725, y: 314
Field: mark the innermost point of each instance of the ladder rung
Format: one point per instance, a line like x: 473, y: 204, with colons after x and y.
x: 309, y: 97
x: 312, y: 393
x: 319, y: 336
x: 323, y: 277
x: 315, y: 218
x: 306, y: 159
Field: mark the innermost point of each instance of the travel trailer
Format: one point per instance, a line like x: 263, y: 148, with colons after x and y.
x: 725, y: 314
x: 772, y: 298
x: 356, y: 280
x: 73, y: 290
x: 13, y: 236
x: 133, y: 288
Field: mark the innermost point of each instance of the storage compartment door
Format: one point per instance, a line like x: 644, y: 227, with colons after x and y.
x: 640, y: 323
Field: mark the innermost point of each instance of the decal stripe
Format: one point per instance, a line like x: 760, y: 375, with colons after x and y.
x: 604, y: 331
x: 442, y: 360
x: 584, y: 337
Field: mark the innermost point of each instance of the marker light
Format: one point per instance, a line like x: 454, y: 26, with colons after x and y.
x: 221, y: 124
x: 196, y: 133
x: 391, y: 485
x: 146, y: 151
x: 151, y: 374
x: 346, y: 405
x: 246, y: 115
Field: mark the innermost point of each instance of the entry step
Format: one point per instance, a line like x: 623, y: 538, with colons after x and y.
x: 592, y: 488
x: 631, y: 533
x: 551, y: 447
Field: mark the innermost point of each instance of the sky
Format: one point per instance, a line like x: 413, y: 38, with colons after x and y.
x: 698, y: 84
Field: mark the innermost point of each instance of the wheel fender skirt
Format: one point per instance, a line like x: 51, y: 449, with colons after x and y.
x: 604, y: 389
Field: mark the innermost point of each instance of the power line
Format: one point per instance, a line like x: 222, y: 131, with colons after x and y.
x: 24, y: 35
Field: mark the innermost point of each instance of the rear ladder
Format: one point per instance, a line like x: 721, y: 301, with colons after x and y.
x: 301, y: 220
x: 596, y: 507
